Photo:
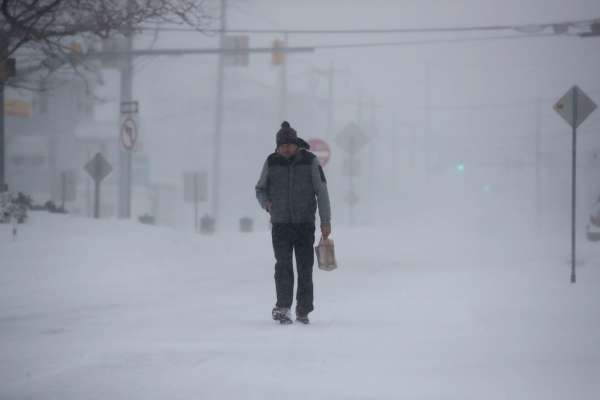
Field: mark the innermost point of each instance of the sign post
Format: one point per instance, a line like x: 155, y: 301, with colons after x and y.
x: 128, y: 134
x: 195, y: 189
x: 351, y: 139
x: 98, y: 169
x: 574, y: 107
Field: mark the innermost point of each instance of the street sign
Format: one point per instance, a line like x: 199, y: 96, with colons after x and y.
x: 129, y: 133
x: 575, y: 106
x: 18, y: 103
x: 18, y: 108
x: 130, y: 107
x: 98, y: 168
x: 237, y: 51
x: 321, y: 149
x: 351, y: 139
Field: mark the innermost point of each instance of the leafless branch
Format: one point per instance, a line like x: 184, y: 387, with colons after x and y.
x: 48, y: 27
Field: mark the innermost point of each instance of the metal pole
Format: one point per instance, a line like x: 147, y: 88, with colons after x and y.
x: 360, y: 108
x: 2, y: 140
x: 283, y: 92
x: 3, y: 59
x: 538, y: 160
x: 219, y: 117
x: 195, y: 202
x: 574, y: 187
x: 352, y: 173
x: 125, y: 155
x: 88, y: 192
x: 96, y: 199
x: 330, y: 118
x: 394, y: 140
x: 372, y: 154
x: 351, y: 200
x: 63, y: 188
x: 426, y: 142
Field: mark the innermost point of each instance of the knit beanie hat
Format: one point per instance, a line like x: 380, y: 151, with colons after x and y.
x: 286, y: 135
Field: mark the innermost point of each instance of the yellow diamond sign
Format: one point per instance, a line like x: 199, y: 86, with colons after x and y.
x: 575, y: 106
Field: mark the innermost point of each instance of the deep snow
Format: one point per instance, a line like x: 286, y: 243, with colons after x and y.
x: 118, y: 310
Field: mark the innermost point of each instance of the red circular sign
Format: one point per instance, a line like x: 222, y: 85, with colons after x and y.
x: 129, y: 134
x: 321, y: 149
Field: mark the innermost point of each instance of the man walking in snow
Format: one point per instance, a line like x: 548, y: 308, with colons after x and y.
x: 291, y: 185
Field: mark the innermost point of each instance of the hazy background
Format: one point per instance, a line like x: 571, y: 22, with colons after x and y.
x: 440, y: 101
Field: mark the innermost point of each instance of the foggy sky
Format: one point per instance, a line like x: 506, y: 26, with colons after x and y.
x: 450, y: 101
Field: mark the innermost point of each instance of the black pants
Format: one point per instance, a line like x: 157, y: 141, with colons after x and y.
x: 297, y: 238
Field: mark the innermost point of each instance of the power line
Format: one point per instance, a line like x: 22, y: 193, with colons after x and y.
x: 424, y: 42
x: 198, y: 51
x: 306, y: 49
x: 559, y: 26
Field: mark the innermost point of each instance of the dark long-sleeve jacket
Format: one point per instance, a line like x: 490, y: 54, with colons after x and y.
x: 294, y: 187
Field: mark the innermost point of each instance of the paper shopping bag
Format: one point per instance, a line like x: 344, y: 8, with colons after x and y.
x: 325, y: 252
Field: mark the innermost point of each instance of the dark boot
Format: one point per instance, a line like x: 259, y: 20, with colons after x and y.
x: 302, y: 317
x: 282, y: 315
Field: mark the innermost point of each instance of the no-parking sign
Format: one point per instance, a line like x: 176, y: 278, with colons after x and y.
x: 321, y: 149
x: 129, y: 133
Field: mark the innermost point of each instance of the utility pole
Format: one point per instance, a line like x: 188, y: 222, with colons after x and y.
x: 359, y: 108
x: 329, y: 74
x: 426, y: 142
x: 284, y: 90
x: 331, y: 116
x: 126, y: 96
x: 538, y: 161
x: 3, y: 61
x: 372, y: 151
x: 219, y: 116
x: 63, y: 188
x: 361, y: 124
x: 2, y: 140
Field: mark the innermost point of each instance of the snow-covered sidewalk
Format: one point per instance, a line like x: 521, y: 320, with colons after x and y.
x: 118, y: 310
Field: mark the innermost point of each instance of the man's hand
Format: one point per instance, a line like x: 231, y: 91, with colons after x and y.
x: 325, y: 230
x: 268, y: 206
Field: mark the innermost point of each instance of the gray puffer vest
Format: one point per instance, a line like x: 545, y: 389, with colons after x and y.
x: 293, y: 187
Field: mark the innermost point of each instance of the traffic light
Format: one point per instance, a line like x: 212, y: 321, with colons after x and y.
x: 277, y: 55
x: 460, y: 167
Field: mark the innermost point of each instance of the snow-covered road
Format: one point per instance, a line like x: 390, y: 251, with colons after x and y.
x: 117, y: 310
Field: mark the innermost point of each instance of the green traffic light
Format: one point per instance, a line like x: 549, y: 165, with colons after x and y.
x: 460, y: 167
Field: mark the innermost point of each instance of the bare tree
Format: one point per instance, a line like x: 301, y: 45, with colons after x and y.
x: 45, y: 34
